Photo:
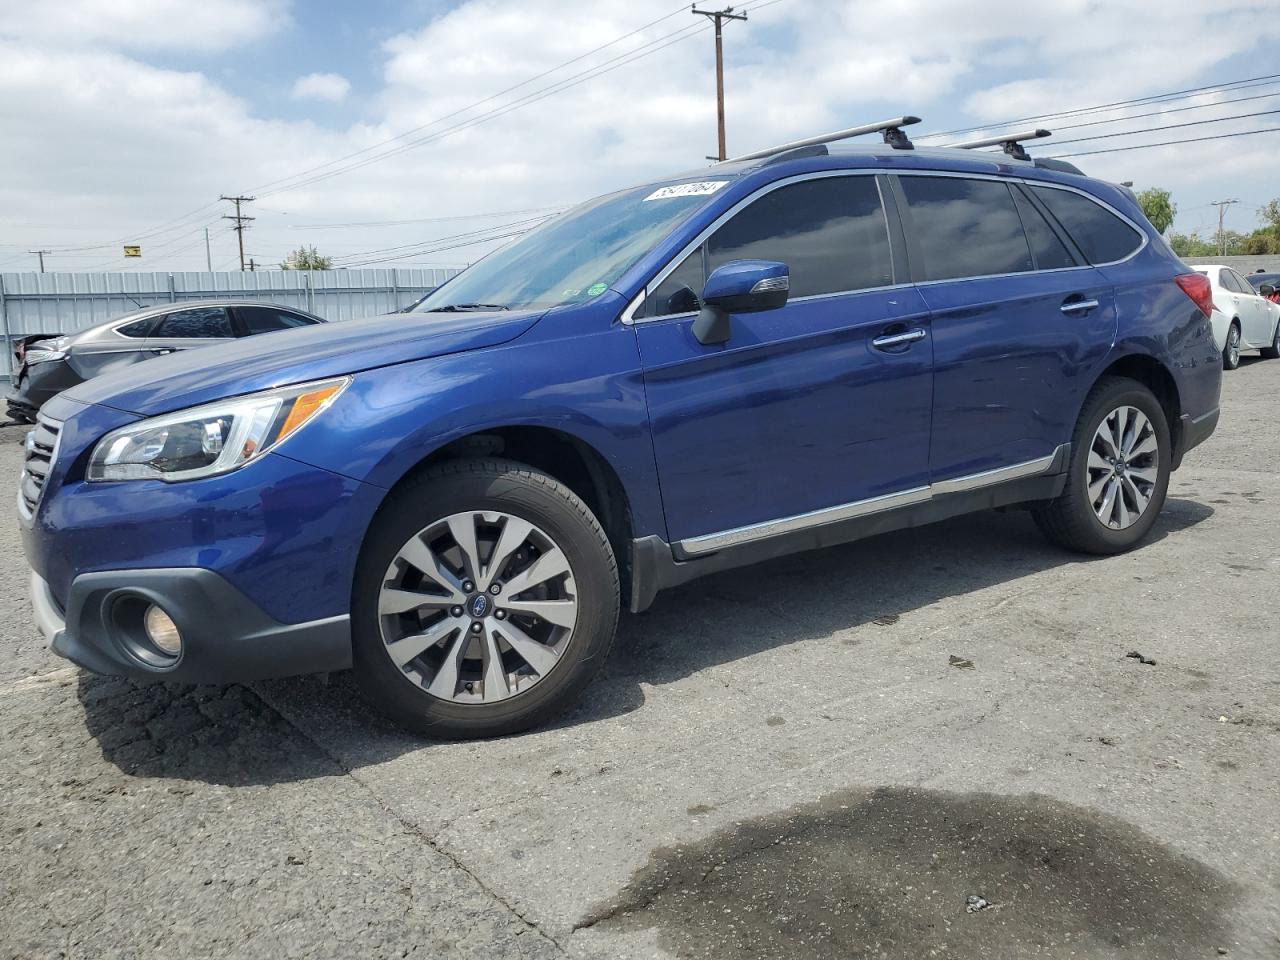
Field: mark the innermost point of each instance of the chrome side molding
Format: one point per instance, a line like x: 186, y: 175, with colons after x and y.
x: 711, y: 542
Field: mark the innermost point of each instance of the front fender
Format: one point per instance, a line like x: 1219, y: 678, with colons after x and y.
x: 584, y: 384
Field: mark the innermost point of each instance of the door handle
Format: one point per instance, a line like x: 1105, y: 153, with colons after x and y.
x: 1074, y: 306
x: 898, y: 339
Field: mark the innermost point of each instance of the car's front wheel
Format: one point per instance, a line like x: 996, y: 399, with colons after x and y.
x: 486, y: 598
x: 1121, y: 457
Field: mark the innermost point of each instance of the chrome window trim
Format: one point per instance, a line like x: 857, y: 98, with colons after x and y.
x: 712, y: 542
x: 629, y: 317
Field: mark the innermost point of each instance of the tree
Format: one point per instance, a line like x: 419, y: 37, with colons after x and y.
x: 306, y: 258
x: 1159, y: 207
x: 1191, y: 247
x: 1271, y: 214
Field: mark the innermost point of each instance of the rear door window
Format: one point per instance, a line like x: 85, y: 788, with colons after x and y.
x: 965, y: 228
x: 1101, y: 236
x: 1047, y: 248
x: 139, y: 328
x: 831, y: 233
x: 201, y: 323
x: 267, y: 319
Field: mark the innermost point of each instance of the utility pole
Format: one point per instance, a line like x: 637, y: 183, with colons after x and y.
x: 1222, y: 213
x: 208, y: 257
x: 40, y: 254
x: 719, y: 16
x: 240, y: 220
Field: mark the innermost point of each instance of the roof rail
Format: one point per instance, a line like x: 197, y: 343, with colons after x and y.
x: 891, y: 130
x: 1011, y: 142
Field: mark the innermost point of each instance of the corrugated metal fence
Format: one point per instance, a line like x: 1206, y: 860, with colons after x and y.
x: 66, y: 302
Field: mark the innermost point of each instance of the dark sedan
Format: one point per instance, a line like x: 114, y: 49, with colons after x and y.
x: 50, y: 363
x: 1272, y: 280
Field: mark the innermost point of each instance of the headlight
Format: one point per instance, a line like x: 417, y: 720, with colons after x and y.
x: 210, y: 439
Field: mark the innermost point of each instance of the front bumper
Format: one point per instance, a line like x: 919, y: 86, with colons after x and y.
x: 227, y: 638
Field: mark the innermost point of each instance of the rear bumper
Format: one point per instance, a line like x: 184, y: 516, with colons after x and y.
x: 38, y: 384
x: 227, y: 638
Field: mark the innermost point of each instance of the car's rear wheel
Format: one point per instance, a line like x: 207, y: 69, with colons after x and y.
x: 486, y: 598
x: 1273, y: 352
x: 1231, y: 352
x: 1121, y: 456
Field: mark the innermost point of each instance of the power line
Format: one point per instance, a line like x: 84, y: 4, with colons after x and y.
x: 541, y: 94
x: 1161, y: 113
x: 1172, y: 95
x: 527, y: 224
x: 574, y: 80
x: 1165, y: 143
x: 1170, y: 126
x: 472, y: 106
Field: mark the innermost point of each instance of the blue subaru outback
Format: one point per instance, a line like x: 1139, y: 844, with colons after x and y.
x: 768, y: 355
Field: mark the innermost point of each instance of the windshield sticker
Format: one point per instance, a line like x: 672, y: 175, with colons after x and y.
x: 596, y: 289
x: 700, y: 189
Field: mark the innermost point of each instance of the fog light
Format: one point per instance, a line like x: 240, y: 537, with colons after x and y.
x: 162, y: 631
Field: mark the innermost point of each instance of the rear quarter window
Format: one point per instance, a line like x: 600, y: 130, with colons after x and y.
x: 1101, y: 236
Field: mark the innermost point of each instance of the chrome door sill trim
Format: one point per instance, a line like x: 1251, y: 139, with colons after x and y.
x: 712, y: 542
x: 1014, y: 471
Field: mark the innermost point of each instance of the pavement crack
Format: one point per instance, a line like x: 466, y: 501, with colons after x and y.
x: 412, y: 829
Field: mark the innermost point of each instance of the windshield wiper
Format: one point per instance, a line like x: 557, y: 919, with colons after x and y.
x: 464, y: 307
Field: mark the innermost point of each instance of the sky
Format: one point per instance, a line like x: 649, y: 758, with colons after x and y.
x: 423, y: 132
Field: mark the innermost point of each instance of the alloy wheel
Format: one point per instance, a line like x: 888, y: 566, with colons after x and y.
x: 1233, y: 344
x: 478, y: 607
x: 1123, y: 467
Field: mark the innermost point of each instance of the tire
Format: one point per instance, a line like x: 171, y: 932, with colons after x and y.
x: 1231, y: 351
x: 564, y: 643
x: 1073, y: 519
x: 1273, y: 352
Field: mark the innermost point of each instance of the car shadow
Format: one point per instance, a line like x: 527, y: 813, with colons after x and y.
x: 239, y: 735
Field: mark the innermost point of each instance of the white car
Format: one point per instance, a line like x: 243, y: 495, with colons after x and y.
x: 1242, y: 318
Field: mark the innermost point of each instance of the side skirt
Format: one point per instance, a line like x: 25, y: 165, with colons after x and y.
x: 657, y: 565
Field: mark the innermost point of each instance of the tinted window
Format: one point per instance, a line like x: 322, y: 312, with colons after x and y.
x: 1049, y: 252
x: 138, y: 328
x: 680, y: 291
x: 966, y: 228
x: 204, y: 323
x: 1100, y: 234
x: 1241, y: 283
x: 830, y: 232
x: 266, y: 319
x: 1227, y: 280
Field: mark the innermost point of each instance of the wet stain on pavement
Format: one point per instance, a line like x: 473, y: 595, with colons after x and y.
x: 888, y: 874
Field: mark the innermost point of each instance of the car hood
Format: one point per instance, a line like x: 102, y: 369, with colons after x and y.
x: 296, y: 356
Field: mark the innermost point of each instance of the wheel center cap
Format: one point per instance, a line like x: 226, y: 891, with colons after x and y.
x: 479, y: 605
x: 1120, y: 468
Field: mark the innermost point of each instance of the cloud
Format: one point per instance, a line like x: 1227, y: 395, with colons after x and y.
x: 143, y: 24
x: 113, y: 145
x: 322, y: 86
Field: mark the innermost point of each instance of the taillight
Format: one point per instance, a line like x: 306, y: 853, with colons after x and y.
x: 1199, y: 289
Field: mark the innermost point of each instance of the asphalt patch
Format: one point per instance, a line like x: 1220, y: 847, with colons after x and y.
x: 889, y: 873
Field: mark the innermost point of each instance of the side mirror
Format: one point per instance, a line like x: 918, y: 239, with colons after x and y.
x: 1267, y: 289
x: 739, y: 286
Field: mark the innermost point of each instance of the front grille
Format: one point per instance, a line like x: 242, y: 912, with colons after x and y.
x: 41, y: 449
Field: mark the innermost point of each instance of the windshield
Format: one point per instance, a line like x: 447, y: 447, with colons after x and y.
x: 576, y: 256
